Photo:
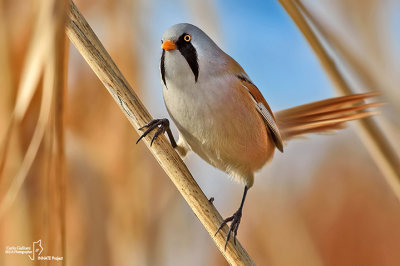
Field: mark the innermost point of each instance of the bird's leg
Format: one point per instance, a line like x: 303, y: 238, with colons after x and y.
x: 162, y: 126
x: 235, y: 218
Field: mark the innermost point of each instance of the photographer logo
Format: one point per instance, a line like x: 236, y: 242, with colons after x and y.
x: 34, y: 252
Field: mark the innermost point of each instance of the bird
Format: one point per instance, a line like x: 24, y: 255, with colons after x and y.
x: 222, y: 116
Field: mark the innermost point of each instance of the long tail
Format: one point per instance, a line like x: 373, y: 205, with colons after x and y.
x: 326, y: 115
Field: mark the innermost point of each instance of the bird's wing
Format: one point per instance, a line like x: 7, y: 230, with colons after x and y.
x: 264, y: 109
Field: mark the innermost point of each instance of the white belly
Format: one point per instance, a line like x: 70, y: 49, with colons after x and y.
x: 216, y: 120
x: 220, y: 125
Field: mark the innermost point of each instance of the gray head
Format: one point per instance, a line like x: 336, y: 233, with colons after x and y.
x: 191, y: 43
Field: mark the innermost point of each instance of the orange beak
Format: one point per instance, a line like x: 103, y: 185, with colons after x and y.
x: 168, y: 45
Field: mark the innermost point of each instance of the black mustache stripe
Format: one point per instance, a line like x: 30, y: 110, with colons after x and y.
x: 162, y: 68
x: 189, y: 53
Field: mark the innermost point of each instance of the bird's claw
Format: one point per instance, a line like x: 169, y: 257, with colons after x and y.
x: 233, y: 228
x: 161, y: 124
x: 211, y: 200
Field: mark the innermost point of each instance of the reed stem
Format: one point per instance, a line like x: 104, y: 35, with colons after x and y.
x: 373, y: 138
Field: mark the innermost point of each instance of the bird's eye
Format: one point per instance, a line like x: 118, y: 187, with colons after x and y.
x: 187, y: 38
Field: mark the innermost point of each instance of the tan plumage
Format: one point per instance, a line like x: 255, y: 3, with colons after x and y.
x: 321, y: 116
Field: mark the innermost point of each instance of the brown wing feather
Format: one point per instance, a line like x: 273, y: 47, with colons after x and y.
x: 263, y: 108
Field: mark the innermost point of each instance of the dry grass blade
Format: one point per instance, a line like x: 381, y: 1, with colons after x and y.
x: 57, y: 193
x: 87, y: 43
x: 4, y: 146
x: 6, y: 83
x: 33, y: 67
x: 37, y: 56
x: 45, y: 61
x: 33, y: 148
x: 60, y: 85
x: 357, y: 64
x: 376, y: 142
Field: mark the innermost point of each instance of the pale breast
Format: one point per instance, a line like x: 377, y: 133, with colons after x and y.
x: 220, y: 124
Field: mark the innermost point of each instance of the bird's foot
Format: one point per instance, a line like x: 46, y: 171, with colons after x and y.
x: 211, y: 200
x: 162, y: 126
x: 233, y: 228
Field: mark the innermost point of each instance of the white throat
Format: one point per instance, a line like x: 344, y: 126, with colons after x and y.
x: 177, y: 70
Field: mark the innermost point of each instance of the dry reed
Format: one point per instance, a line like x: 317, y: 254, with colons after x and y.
x: 374, y: 139
x: 42, y: 77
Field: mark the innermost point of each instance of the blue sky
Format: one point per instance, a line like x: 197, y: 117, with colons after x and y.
x: 273, y: 52
x: 264, y: 40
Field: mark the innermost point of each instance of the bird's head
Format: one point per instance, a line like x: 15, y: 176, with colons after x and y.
x: 188, y: 53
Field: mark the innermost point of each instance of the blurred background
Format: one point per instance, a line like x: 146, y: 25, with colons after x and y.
x: 72, y: 176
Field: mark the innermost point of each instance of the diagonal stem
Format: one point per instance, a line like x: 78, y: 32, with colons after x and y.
x: 374, y: 139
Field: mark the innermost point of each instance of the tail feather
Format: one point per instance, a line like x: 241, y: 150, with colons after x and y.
x: 322, y: 116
